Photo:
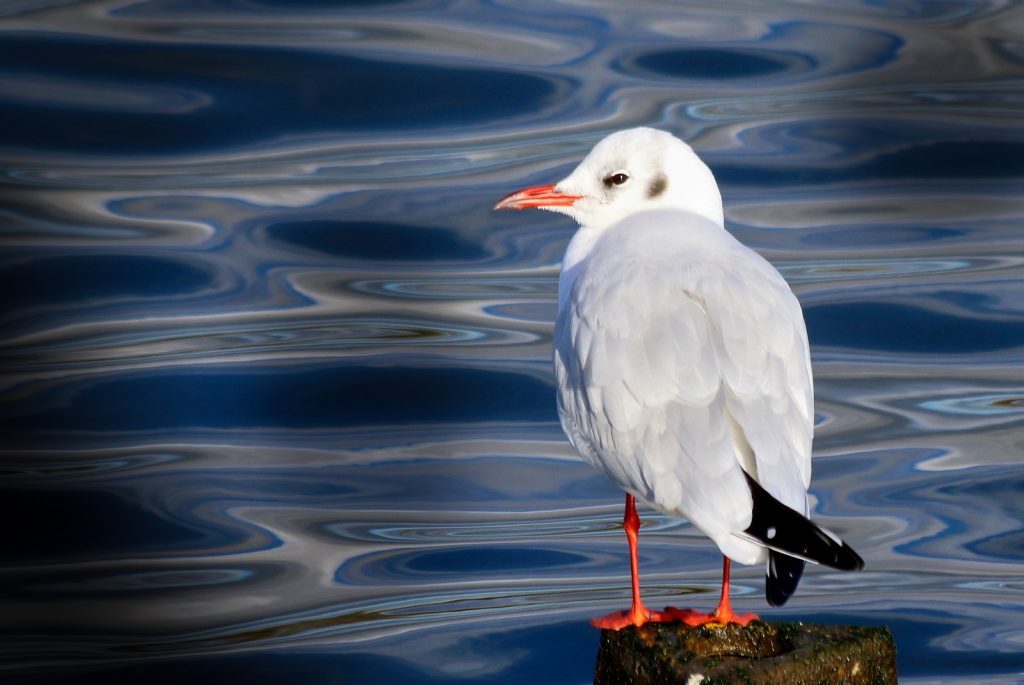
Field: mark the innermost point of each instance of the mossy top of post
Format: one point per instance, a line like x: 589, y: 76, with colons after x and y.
x: 759, y: 653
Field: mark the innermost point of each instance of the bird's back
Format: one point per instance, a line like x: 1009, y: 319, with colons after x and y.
x: 682, y: 361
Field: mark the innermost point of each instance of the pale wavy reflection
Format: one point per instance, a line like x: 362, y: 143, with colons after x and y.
x: 276, y: 380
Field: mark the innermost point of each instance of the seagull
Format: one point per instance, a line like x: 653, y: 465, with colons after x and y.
x: 682, y: 365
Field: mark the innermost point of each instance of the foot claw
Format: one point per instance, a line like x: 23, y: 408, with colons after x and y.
x: 616, y: 620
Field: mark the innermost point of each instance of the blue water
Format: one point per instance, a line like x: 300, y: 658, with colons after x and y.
x: 277, y: 402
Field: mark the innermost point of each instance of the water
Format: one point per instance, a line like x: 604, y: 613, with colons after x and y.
x: 276, y: 397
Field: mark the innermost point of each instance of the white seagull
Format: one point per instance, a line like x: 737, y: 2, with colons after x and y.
x: 682, y: 365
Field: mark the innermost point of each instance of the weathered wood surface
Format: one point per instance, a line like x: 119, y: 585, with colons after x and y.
x: 758, y: 654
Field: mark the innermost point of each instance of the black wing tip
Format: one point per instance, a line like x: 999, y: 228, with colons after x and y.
x: 783, y: 576
x: 792, y: 534
x: 848, y: 559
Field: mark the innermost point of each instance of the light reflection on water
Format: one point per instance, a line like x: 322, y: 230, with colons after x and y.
x: 276, y: 387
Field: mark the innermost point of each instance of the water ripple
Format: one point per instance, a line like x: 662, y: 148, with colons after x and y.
x: 276, y: 391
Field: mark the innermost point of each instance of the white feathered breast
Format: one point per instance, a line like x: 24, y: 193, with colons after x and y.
x: 681, y: 357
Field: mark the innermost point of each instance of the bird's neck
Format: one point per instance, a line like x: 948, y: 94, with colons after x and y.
x: 579, y: 247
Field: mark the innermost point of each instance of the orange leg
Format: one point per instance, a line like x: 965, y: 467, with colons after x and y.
x: 638, y: 614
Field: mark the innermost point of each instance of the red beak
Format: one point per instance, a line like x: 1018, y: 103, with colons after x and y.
x: 538, y: 196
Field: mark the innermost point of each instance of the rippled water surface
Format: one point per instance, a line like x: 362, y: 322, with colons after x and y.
x: 276, y: 397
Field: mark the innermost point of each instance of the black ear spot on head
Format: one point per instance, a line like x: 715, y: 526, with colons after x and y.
x: 657, y: 187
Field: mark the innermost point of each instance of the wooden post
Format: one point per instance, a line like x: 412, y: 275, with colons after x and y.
x: 760, y: 653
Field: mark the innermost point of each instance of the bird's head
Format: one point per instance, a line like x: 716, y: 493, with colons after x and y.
x: 628, y: 172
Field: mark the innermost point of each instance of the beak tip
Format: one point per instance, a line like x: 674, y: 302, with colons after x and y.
x: 510, y: 201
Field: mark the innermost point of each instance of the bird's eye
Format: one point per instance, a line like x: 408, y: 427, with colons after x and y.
x: 615, y: 180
